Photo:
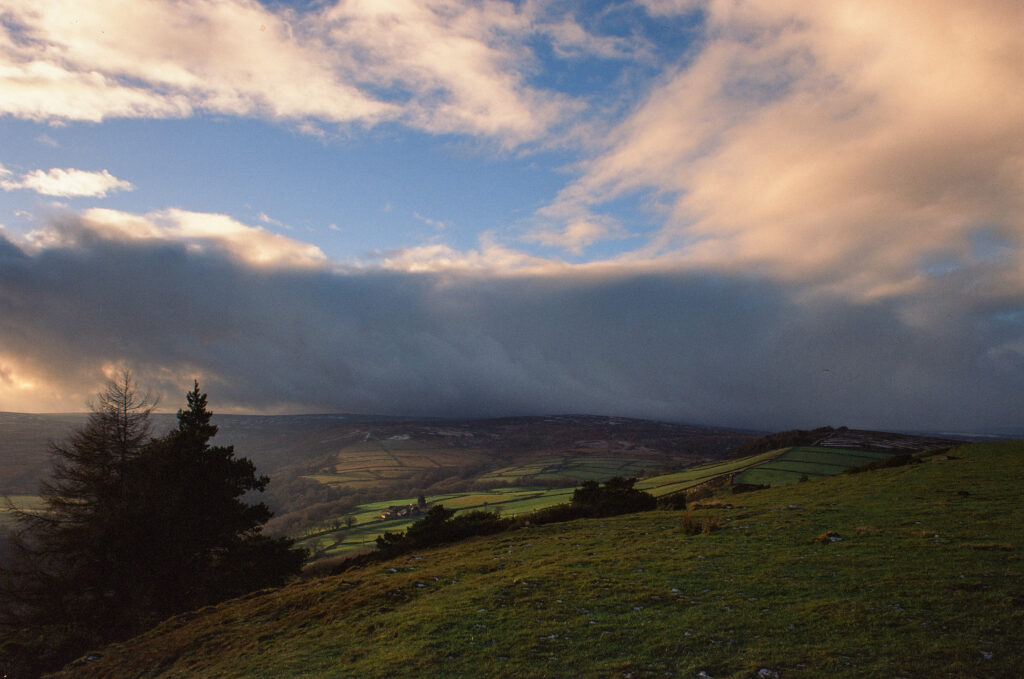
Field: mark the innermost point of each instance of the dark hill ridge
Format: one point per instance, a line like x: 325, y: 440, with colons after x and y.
x: 843, y: 437
x: 883, y: 442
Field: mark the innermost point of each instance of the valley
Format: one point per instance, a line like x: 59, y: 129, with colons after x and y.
x: 911, y: 571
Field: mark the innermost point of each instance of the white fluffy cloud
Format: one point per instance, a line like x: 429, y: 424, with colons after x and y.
x: 441, y: 66
x: 66, y: 182
x: 851, y: 143
x: 199, y: 232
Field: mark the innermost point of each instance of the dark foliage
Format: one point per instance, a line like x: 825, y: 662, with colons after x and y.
x: 441, y: 526
x: 675, y: 501
x: 616, y: 496
x: 555, y: 514
x: 134, y: 530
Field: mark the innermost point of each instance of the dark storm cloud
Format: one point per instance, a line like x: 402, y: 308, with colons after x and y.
x: 695, y: 347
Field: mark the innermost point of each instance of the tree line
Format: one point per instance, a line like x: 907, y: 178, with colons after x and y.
x: 134, y: 529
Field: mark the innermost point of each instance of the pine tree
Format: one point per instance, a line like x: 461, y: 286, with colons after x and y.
x: 136, y: 529
x: 200, y: 541
x: 64, y: 581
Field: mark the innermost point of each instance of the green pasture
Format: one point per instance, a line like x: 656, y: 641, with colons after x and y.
x: 325, y: 541
x: 666, y: 484
x: 923, y: 581
x: 390, y: 462
x: 773, y: 468
x: 572, y: 469
x: 806, y: 461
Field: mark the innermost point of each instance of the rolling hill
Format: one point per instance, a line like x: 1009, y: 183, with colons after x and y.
x: 342, y: 461
x: 912, y: 571
x: 331, y: 538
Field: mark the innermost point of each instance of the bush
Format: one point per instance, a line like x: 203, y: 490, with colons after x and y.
x: 441, y: 526
x: 555, y: 514
x: 674, y: 501
x: 617, y: 496
x: 693, y: 526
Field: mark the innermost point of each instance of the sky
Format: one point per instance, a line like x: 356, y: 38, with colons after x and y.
x: 752, y: 213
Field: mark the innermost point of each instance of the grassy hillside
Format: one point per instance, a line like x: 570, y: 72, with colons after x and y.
x: 926, y: 579
x: 806, y: 462
x: 331, y: 539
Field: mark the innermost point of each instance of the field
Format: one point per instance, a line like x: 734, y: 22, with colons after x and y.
x: 666, y: 484
x: 924, y: 579
x: 809, y: 462
x: 571, y: 469
x: 329, y: 539
x: 369, y: 461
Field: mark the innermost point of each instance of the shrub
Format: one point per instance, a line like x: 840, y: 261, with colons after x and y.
x: 441, y: 526
x: 674, y: 501
x: 694, y: 526
x: 555, y: 514
x: 617, y: 496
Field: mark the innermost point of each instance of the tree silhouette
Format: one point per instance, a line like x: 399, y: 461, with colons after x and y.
x: 134, y: 530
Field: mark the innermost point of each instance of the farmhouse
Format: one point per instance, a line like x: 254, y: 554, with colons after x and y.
x: 401, y: 511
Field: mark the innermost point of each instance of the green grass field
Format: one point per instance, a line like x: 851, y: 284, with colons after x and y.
x: 925, y: 581
x: 389, y: 461
x: 571, y: 469
x: 778, y: 467
x: 325, y: 541
x: 666, y: 484
x: 791, y: 464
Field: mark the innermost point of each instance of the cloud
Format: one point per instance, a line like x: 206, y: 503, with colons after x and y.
x: 66, y: 183
x: 441, y: 66
x: 197, y: 231
x: 436, y: 223
x: 577, y: 234
x: 670, y: 7
x: 490, y: 258
x: 691, y: 346
x: 840, y: 144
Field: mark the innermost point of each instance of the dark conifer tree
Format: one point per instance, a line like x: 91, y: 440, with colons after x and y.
x: 134, y: 531
x: 63, y: 584
x: 201, y: 542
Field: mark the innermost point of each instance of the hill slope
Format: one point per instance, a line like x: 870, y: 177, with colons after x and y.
x: 926, y: 581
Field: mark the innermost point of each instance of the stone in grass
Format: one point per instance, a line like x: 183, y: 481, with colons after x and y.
x: 765, y: 673
x: 828, y: 537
